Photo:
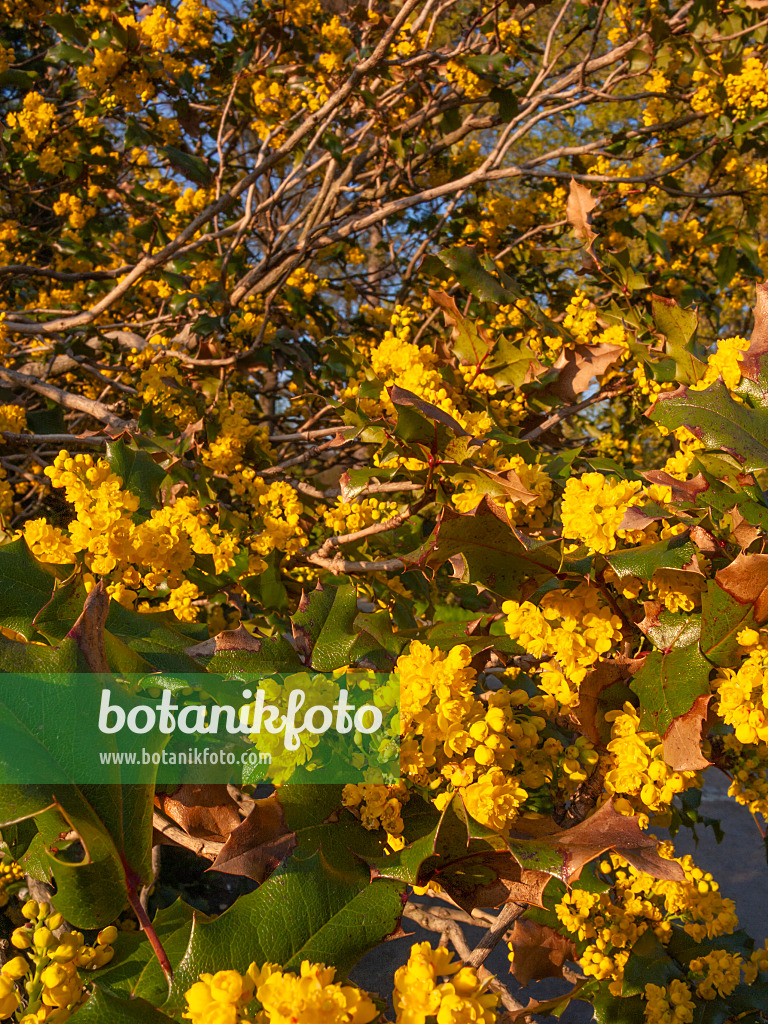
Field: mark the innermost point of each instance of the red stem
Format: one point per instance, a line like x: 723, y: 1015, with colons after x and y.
x: 147, y: 927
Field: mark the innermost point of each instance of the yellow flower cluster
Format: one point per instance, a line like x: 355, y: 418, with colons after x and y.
x: 419, y: 996
x: 36, y: 120
x: 10, y: 874
x: 397, y: 360
x: 13, y: 418
x: 162, y: 386
x: 743, y: 695
x: 310, y: 997
x: 50, y: 965
x: 748, y: 765
x: 593, y: 508
x: 350, y: 516
x: 582, y: 323
x: 671, y: 1004
x: 154, y: 552
x: 448, y: 734
x: 71, y: 206
x: 276, y: 506
x: 639, y: 775
x: 570, y: 630
x: 226, y: 452
x: 378, y: 806
x: 608, y: 924
x: 677, y: 465
x: 724, y: 362
x: 492, y: 751
x: 721, y: 973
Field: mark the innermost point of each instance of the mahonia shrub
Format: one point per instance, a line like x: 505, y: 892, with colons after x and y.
x: 413, y: 347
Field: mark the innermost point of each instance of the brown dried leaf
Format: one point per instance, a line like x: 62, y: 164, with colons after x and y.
x: 746, y: 580
x: 204, y: 812
x: 539, y: 952
x: 741, y: 531
x: 704, y: 541
x: 636, y: 519
x: 758, y: 342
x: 651, y: 619
x: 652, y: 864
x: 578, y: 212
x: 606, y: 830
x: 605, y: 675
x: 228, y: 640
x: 580, y: 365
x: 258, y: 845
x: 682, y: 490
x: 88, y: 631
x: 682, y: 740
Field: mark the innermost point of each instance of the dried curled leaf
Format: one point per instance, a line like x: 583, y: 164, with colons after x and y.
x: 578, y: 212
x: 204, y: 812
x: 682, y: 740
x: 538, y: 952
x: 758, y: 342
x: 258, y: 844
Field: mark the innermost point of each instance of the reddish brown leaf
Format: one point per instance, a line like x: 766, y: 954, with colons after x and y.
x: 88, y: 631
x: 606, y: 830
x: 605, y: 675
x: 746, y: 580
x: 636, y: 519
x: 704, y: 541
x: 651, y: 619
x: 578, y: 212
x: 204, y: 812
x: 539, y: 952
x: 228, y: 640
x: 652, y: 864
x: 758, y: 343
x: 741, y: 531
x: 580, y: 365
x: 682, y: 490
x: 682, y: 740
x: 543, y: 1007
x: 258, y: 845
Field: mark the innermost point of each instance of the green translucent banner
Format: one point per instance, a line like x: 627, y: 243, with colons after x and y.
x: 202, y: 728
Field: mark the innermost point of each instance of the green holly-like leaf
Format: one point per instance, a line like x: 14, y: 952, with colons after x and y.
x: 644, y: 561
x: 717, y: 420
x: 309, y: 909
x: 615, y: 1010
x: 668, y: 684
x: 138, y: 472
x: 722, y: 619
x: 491, y: 551
x: 25, y: 587
x: 158, y: 637
x: 672, y: 629
x: 104, y: 1007
x: 329, y: 633
x: 679, y: 327
x: 113, y: 822
x: 648, y: 961
x: 134, y: 970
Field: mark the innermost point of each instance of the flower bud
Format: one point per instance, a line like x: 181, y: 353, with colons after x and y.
x: 30, y: 910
